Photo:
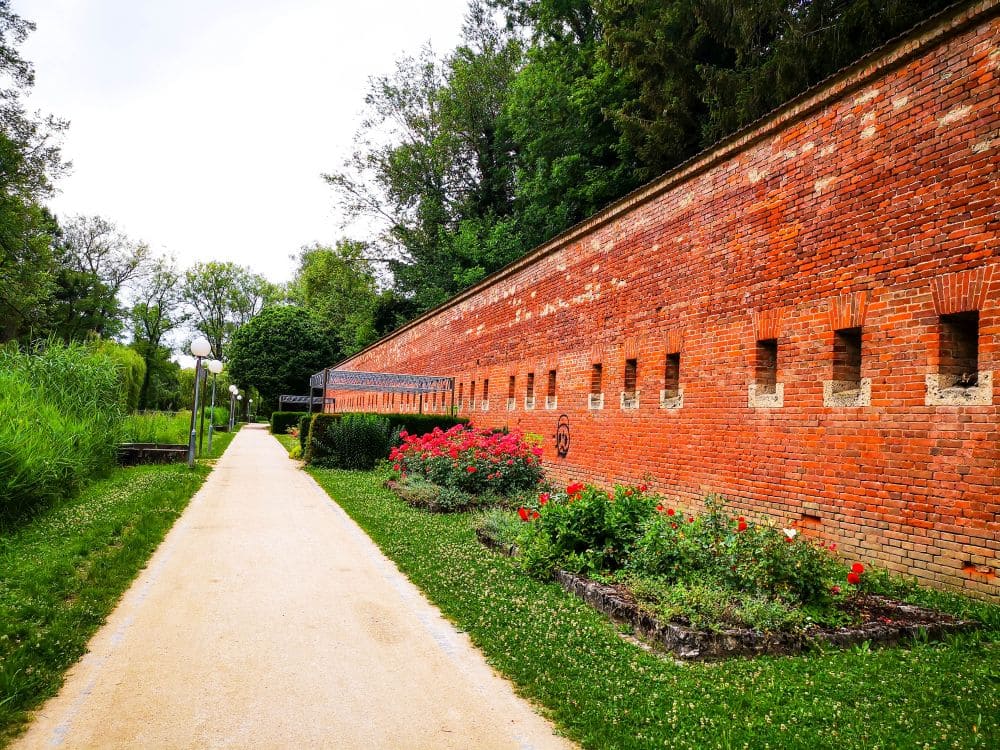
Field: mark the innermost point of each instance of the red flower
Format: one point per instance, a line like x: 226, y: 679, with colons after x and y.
x: 628, y: 493
x: 574, y: 489
x: 853, y: 578
x: 690, y: 519
x: 535, y: 514
x: 742, y: 526
x: 673, y: 525
x: 397, y: 467
x: 471, y: 469
x: 858, y: 568
x: 835, y: 590
x: 670, y: 511
x: 832, y: 548
x: 642, y: 488
x: 741, y: 519
x: 543, y: 498
x: 660, y: 508
x: 523, y: 513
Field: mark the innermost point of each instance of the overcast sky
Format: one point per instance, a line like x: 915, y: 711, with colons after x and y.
x: 202, y: 126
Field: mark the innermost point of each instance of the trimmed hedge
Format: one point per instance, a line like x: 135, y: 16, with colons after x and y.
x: 348, y: 441
x: 282, y: 420
x: 304, y: 424
x: 421, y: 424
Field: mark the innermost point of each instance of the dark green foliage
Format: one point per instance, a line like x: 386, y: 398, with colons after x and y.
x: 282, y: 420
x: 604, y: 692
x: 421, y: 424
x: 698, y: 70
x: 352, y: 441
x: 277, y: 352
x: 304, y: 423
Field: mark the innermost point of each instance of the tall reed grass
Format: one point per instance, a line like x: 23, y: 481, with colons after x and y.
x: 167, y: 427
x: 61, y: 409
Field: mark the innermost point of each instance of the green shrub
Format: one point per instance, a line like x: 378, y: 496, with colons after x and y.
x: 282, y: 420
x: 354, y: 441
x: 319, y: 429
x: 584, y: 529
x: 304, y: 422
x: 60, y: 414
x: 295, y: 451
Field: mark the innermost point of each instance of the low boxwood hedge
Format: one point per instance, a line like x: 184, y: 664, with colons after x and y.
x: 282, y: 420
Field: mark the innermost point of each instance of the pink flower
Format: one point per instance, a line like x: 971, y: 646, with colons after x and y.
x: 543, y: 498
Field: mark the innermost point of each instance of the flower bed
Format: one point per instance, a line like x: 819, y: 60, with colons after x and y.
x: 702, y: 585
x: 464, y: 467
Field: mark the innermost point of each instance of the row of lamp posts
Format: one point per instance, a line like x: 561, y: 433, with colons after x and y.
x: 200, y: 348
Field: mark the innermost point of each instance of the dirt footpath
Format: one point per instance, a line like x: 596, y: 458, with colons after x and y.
x: 267, y: 619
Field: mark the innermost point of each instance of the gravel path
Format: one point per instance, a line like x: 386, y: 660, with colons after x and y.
x: 267, y: 619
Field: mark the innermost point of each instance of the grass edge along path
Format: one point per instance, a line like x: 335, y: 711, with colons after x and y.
x: 63, y: 571
x: 605, y: 692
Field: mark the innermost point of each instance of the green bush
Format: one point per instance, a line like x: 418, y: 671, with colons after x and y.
x: 282, y: 420
x: 584, y: 530
x: 304, y: 423
x: 354, y: 441
x: 61, y: 409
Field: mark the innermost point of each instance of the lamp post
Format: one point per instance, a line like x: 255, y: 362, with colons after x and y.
x: 239, y: 402
x: 199, y: 348
x: 214, y: 367
x: 233, y: 390
x: 249, y: 410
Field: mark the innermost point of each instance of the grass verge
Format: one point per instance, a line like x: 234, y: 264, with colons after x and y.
x: 605, y: 692
x: 64, y: 570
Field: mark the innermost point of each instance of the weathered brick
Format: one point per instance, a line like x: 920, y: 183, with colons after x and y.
x: 806, y: 224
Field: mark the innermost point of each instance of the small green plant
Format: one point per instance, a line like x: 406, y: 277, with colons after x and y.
x: 295, y: 452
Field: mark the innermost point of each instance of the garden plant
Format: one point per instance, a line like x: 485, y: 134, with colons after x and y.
x: 464, y: 466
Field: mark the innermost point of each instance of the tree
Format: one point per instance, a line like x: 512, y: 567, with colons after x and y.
x: 156, y: 311
x: 338, y: 286
x: 278, y: 351
x: 96, y: 261
x: 221, y: 297
x: 433, y: 165
x: 29, y: 162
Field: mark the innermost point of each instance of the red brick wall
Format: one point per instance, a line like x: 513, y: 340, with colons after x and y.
x: 871, y: 203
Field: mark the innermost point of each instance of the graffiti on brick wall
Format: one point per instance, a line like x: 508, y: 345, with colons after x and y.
x: 562, y: 436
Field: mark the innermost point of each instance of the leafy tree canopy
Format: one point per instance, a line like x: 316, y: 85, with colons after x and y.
x: 278, y: 350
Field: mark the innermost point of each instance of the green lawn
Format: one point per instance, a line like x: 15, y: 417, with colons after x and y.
x: 605, y: 692
x: 64, y: 570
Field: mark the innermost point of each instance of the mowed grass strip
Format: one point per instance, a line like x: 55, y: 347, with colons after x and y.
x: 64, y: 570
x: 606, y: 692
